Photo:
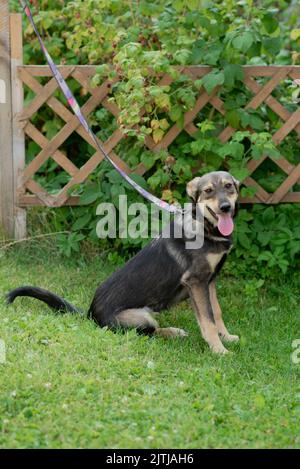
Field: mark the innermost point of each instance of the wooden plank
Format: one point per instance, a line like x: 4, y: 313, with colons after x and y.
x: 47, y: 199
x: 260, y: 194
x: 18, y: 134
x: 194, y: 70
x: 140, y: 169
x: 291, y: 197
x: 284, y: 164
x: 295, y: 72
x: 218, y: 104
x: 287, y: 127
x: 249, y: 200
x: 29, y: 200
x: 191, y: 129
x: 286, y: 185
x: 270, y: 70
x: 45, y: 71
x: 6, y: 151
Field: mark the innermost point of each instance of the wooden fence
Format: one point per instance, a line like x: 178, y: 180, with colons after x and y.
x: 19, y: 189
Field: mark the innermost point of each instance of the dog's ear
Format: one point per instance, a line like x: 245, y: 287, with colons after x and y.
x: 193, y: 188
x: 236, y: 184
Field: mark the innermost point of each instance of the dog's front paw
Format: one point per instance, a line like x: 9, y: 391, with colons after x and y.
x: 219, y: 349
x: 230, y: 338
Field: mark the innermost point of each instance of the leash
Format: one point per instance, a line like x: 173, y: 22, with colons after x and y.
x: 77, y: 111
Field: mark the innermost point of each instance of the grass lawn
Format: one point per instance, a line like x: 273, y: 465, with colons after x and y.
x: 67, y: 383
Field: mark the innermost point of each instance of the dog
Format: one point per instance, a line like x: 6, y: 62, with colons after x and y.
x: 166, y: 272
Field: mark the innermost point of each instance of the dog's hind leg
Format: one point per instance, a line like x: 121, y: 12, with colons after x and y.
x: 136, y: 318
x: 142, y: 320
x: 170, y: 332
x: 222, y: 330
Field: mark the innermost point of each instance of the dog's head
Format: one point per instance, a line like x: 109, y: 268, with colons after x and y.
x: 217, y: 194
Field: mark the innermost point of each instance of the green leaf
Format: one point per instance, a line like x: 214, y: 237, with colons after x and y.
x: 239, y: 173
x: 233, y: 73
x: 158, y: 135
x: 115, y: 191
x: 295, y: 34
x: 213, y: 79
x: 272, y: 45
x: 212, y: 53
x: 233, y: 118
x: 244, y: 240
x: 114, y: 177
x: 256, y: 151
x: 234, y: 149
x: 182, y: 56
x: 148, y: 160
x: 256, y: 122
x: 243, y: 41
x: 139, y: 180
x: 270, y: 23
x: 81, y: 222
x: 264, y: 237
x: 269, y: 215
x: 90, y: 195
x: 175, y: 113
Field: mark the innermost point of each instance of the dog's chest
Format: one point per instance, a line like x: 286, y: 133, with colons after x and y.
x: 213, y: 259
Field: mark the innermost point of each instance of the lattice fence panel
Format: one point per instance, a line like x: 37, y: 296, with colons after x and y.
x: 30, y: 192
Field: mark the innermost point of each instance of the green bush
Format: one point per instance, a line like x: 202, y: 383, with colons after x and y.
x: 129, y: 40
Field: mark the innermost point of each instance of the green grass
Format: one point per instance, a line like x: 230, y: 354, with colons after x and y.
x: 67, y: 383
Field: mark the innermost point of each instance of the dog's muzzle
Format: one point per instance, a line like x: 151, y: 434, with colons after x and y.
x: 225, y: 207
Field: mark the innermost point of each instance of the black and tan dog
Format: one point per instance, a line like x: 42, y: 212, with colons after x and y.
x: 166, y: 272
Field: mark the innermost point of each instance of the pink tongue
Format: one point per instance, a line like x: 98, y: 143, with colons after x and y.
x: 225, y: 224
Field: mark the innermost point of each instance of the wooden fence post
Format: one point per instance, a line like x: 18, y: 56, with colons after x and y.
x: 18, y: 139
x: 6, y: 159
x: 12, y: 218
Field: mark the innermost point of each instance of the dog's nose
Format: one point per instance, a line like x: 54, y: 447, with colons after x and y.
x: 225, y: 207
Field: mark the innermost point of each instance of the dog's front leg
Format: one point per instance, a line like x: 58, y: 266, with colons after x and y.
x: 199, y: 293
x: 222, y: 330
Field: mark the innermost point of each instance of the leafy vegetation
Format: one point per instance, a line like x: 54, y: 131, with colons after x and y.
x: 133, y: 44
x: 67, y: 383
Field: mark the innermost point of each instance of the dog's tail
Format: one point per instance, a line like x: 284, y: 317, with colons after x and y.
x: 52, y: 300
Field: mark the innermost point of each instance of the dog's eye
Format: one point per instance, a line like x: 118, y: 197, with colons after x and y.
x: 208, y: 190
x: 228, y: 185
